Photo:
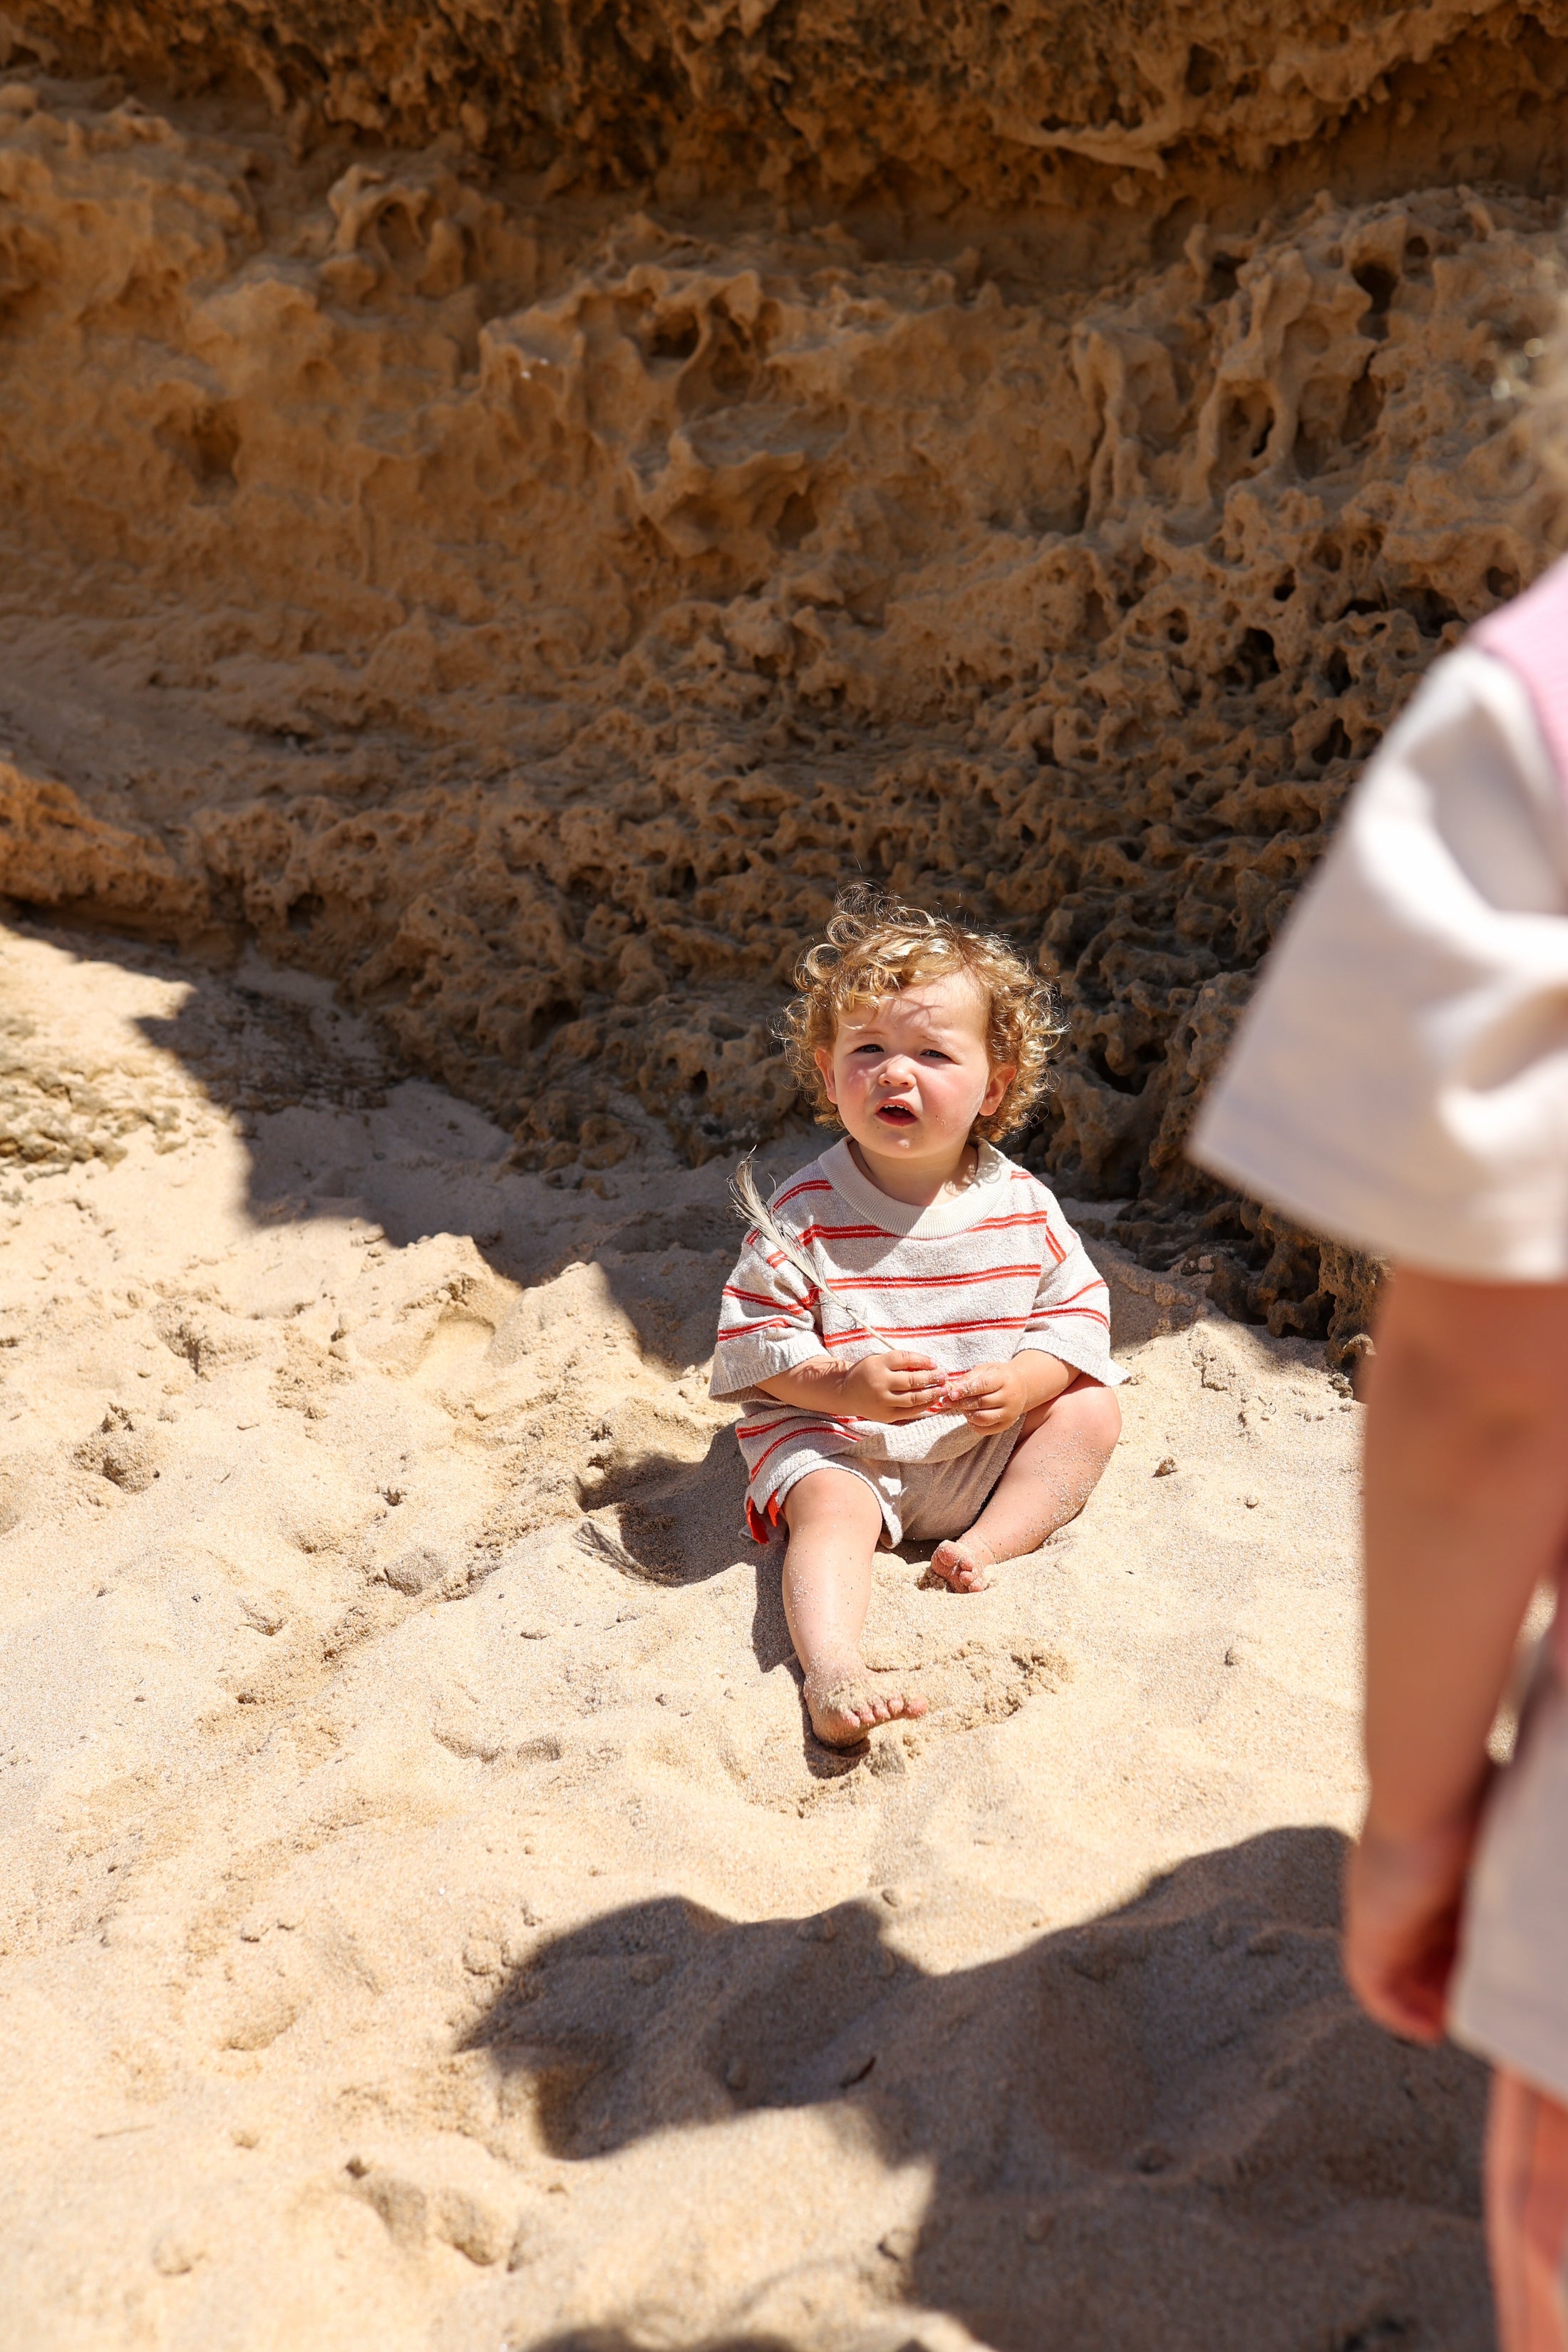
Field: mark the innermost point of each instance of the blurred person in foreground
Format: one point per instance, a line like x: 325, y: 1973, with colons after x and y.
x: 1401, y: 1082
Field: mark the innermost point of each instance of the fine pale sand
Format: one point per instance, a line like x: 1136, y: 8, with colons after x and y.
x: 426, y: 1919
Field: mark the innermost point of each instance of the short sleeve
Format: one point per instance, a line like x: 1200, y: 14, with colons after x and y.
x: 1400, y: 1080
x: 1071, y: 1319
x: 767, y: 1321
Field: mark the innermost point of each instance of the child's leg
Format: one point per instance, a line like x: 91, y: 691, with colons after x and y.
x: 834, y: 1520
x: 1054, y: 1469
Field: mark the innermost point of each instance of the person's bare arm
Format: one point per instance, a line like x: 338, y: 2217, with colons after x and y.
x: 1466, y: 1511
x: 896, y: 1385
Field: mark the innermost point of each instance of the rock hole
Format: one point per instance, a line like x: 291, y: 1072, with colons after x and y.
x: 1430, y: 611
x: 798, y: 519
x: 1334, y: 745
x: 397, y: 231
x: 731, y: 368
x: 1362, y: 409
x: 549, y: 1016
x: 214, y: 444
x: 1378, y: 284
x: 206, y: 446
x: 1254, y: 660
x: 675, y: 337
x: 1244, y: 434
x: 1202, y: 67
x: 1116, y: 1078
x: 1501, y: 583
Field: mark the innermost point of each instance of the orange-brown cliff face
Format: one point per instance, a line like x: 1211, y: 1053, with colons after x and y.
x: 510, y: 516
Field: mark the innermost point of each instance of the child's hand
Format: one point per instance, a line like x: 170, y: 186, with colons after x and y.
x: 991, y: 1397
x: 896, y: 1386
x: 1402, y: 1896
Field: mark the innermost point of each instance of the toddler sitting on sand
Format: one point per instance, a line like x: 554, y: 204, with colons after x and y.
x: 943, y: 1370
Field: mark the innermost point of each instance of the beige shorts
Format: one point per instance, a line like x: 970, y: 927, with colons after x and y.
x: 1510, y: 2001
x: 921, y: 1501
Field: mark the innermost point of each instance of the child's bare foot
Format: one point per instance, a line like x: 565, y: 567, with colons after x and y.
x: 847, y: 1700
x: 963, y: 1561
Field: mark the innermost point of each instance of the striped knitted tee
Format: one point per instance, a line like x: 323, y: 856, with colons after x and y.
x: 968, y: 1281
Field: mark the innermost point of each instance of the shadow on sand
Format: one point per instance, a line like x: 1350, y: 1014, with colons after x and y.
x: 1167, y: 2128
x: 336, y: 1128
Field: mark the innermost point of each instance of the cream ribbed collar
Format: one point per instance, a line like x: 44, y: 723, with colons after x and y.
x: 954, y: 1216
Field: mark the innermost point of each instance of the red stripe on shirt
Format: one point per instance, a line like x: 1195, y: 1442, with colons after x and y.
x: 767, y: 1297
x: 1024, y: 1217
x: 766, y: 1428
x: 847, y: 1284
x: 902, y: 1331
x: 804, y: 1429
x: 817, y: 1184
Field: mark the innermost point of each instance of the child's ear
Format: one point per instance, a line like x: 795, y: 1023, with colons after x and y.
x: 1001, y: 1079
x: 823, y: 1057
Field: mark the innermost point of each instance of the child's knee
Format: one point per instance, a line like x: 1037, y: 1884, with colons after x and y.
x: 1085, y: 1409
x: 834, y: 1495
x: 1101, y: 1411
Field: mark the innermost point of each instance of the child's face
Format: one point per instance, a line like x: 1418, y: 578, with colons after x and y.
x: 910, y: 1075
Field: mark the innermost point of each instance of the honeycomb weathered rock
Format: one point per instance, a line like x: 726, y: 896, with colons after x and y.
x: 524, y: 602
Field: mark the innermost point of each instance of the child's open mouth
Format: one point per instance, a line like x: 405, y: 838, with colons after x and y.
x: 896, y: 1114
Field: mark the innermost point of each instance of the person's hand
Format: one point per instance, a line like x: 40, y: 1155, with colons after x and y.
x: 1403, y: 1899
x: 896, y: 1385
x: 990, y: 1396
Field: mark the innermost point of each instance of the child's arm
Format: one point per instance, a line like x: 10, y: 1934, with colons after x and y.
x: 1467, y: 1511
x: 894, y: 1385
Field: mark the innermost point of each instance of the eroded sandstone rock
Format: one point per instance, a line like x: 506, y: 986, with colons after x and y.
x: 524, y: 607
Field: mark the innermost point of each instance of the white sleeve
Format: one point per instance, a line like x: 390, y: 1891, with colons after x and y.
x: 1400, y: 1080
x: 1071, y: 1315
x: 768, y: 1321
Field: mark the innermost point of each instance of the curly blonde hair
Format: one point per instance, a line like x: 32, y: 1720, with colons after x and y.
x: 876, y: 945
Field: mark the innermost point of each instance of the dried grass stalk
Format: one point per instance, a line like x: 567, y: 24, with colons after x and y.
x: 755, y: 1211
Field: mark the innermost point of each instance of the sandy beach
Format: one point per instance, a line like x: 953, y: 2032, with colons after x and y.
x: 427, y: 1918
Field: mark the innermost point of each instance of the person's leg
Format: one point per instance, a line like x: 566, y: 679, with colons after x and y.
x: 1527, y: 2216
x: 1054, y: 1469
x: 835, y: 1520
